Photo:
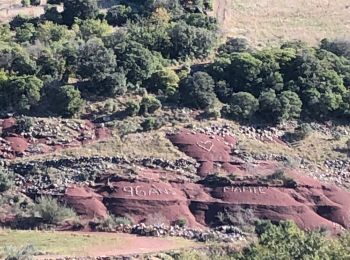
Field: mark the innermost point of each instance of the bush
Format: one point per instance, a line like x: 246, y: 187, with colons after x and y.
x: 25, y: 3
x: 5, y: 181
x: 35, y: 2
x: 150, y: 123
x: 53, y: 212
x: 197, y: 90
x: 303, y: 131
x: 287, y: 241
x: 181, y: 222
x: 132, y: 108
x: 243, y: 106
x: 24, y: 253
x: 149, y: 104
x: 118, y: 15
x: 65, y: 101
x: 110, y: 223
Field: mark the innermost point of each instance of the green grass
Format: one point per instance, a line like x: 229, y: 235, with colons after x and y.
x: 57, y: 243
x: 88, y: 244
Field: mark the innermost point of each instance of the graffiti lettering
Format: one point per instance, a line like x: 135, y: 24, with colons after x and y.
x: 140, y: 191
x: 256, y: 190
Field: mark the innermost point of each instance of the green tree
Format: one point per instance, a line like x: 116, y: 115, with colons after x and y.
x: 197, y: 90
x: 5, y: 33
x: 23, y: 92
x: 290, y: 106
x: 65, y: 101
x: 82, y: 9
x: 165, y: 80
x: 25, y: 33
x: 49, y: 32
x: 112, y: 85
x: 243, y: 106
x: 190, y: 41
x: 138, y: 62
x: 95, y: 61
x: 118, y: 15
x: 90, y: 28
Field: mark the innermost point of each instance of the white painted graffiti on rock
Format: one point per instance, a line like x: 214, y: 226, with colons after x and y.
x: 256, y: 190
x: 140, y: 191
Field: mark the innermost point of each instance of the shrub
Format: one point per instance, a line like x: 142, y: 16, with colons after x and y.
x: 5, y: 181
x: 123, y: 221
x: 303, y: 131
x: 149, y: 104
x: 35, y: 2
x: 24, y: 253
x: 181, y: 222
x: 243, y: 106
x: 132, y: 108
x: 150, y: 123
x: 111, y: 222
x: 286, y: 181
x: 25, y: 3
x: 53, y: 212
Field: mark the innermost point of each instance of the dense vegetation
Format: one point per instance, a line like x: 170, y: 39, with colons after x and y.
x: 51, y: 64
x: 283, y: 241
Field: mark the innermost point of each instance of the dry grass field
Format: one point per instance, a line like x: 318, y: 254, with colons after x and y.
x: 271, y: 21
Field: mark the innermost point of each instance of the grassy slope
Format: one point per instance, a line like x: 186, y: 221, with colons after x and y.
x: 92, y: 244
x: 271, y: 21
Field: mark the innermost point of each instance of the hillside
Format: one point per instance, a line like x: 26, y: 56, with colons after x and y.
x: 138, y: 129
x: 274, y: 21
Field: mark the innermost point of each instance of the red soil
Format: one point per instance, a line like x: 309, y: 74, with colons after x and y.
x: 206, y: 149
x: 85, y: 202
x: 310, y: 204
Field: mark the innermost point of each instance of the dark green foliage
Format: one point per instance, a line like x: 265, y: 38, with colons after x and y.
x: 19, y: 20
x: 190, y: 41
x: 201, y: 20
x: 181, y: 222
x: 290, y: 81
x: 21, y: 93
x: 112, y: 85
x: 138, y: 62
x: 95, y: 61
x: 82, y: 9
x: 165, y: 80
x: 197, y: 90
x: 282, y: 107
x: 52, y: 14
x: 233, y: 45
x: 35, y: 2
x: 338, y: 47
x: 243, y: 105
x: 65, y: 100
x: 25, y: 33
x: 118, y: 15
